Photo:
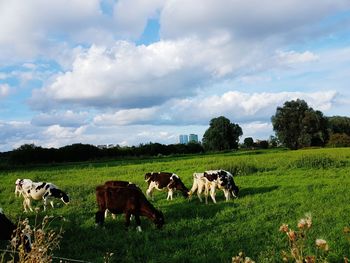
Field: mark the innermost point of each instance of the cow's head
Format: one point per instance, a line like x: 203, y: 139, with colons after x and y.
x: 158, y: 219
x: 176, y: 183
x: 226, y: 181
x: 55, y: 192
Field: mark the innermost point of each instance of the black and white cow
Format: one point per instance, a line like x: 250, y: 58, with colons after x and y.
x: 200, y: 184
x: 39, y: 190
x: 165, y: 181
x: 211, y: 180
x: 225, y: 182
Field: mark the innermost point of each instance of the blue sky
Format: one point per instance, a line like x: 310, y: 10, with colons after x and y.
x: 136, y: 71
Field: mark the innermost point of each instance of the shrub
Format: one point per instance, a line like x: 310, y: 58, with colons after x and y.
x: 317, y: 161
x: 339, y: 140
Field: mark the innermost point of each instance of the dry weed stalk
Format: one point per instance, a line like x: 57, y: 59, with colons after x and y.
x: 43, y: 241
x: 297, y: 244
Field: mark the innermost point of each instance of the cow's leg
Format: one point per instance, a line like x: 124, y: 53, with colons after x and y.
x: 138, y: 223
x: 193, y: 189
x: 227, y: 194
x: 27, y: 203
x: 199, y: 191
x: 212, y: 192
x: 99, y: 218
x: 149, y: 191
x: 106, y: 214
x: 51, y: 203
x: 44, y: 204
x: 127, y: 219
x: 206, y: 191
x: 170, y: 194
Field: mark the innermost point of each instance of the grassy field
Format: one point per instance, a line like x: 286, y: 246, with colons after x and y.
x: 275, y: 187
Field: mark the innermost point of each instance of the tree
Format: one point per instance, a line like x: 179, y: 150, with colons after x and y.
x: 339, y: 124
x: 297, y: 125
x: 221, y: 135
x: 249, y: 142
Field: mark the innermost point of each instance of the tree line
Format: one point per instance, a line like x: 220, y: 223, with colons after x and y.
x: 296, y: 125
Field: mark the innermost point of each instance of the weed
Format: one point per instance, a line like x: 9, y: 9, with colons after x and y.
x: 43, y: 242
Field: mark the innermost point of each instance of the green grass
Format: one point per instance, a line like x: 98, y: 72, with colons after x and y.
x: 276, y: 187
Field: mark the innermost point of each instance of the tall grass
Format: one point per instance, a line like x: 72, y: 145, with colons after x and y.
x: 275, y: 188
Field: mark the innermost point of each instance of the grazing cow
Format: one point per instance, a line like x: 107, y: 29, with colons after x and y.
x: 212, y: 179
x: 119, y: 184
x: 165, y: 181
x: 200, y: 184
x: 225, y: 182
x: 7, y: 231
x: 39, y: 190
x: 128, y: 201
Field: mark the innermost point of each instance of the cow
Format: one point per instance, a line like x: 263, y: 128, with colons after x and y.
x: 200, y: 184
x: 114, y: 183
x: 37, y: 191
x: 225, y: 182
x: 128, y: 201
x: 19, y: 183
x: 211, y: 180
x: 8, y: 232
x: 165, y: 181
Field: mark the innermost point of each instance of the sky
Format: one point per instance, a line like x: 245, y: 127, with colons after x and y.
x: 128, y: 72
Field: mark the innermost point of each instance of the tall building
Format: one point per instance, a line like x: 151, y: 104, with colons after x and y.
x: 193, y: 138
x: 183, y: 138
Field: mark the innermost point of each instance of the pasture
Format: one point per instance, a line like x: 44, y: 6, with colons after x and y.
x: 276, y: 187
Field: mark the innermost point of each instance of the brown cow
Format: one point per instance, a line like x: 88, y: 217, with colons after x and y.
x: 165, y: 181
x: 114, y: 183
x: 128, y: 201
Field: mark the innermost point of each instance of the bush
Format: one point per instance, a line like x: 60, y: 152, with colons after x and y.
x: 317, y: 162
x: 339, y: 140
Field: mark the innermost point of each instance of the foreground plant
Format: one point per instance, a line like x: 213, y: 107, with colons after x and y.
x: 43, y: 241
x: 297, y: 243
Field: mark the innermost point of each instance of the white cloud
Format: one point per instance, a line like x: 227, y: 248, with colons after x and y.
x: 129, y: 76
x: 257, y: 130
x: 243, y: 107
x: 292, y: 57
x: 4, y: 90
x: 249, y: 19
x: 127, y: 117
x: 64, y: 119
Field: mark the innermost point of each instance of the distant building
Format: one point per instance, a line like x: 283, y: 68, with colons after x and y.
x: 193, y: 138
x: 183, y: 138
x: 102, y: 146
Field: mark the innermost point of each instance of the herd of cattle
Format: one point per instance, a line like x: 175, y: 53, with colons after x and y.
x: 122, y: 197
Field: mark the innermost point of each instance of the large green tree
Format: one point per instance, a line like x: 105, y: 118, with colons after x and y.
x: 221, y: 135
x: 297, y: 125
